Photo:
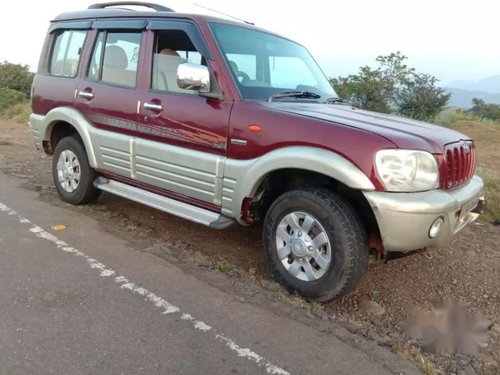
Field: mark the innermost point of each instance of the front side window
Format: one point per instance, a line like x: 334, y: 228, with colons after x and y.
x: 263, y: 64
x: 66, y: 53
x: 117, y: 62
x: 172, y: 48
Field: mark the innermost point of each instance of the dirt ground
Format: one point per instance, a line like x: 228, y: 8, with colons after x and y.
x: 468, y: 270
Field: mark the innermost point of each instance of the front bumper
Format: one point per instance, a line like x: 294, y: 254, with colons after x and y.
x: 404, y: 219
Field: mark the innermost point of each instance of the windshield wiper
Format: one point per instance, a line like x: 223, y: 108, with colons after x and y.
x: 335, y: 100
x: 295, y: 94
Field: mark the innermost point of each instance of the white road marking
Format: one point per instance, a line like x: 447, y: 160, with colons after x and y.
x: 159, y: 302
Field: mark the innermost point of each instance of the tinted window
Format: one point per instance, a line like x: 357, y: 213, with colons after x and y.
x: 243, y: 66
x: 285, y: 69
x: 66, y: 53
x: 119, y: 63
x: 263, y: 64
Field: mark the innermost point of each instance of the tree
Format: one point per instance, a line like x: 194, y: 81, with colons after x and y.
x: 420, y: 98
x: 16, y: 77
x: 392, y: 87
x: 485, y: 110
x: 367, y: 90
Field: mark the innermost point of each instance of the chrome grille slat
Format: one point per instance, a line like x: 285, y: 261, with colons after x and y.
x: 460, y: 160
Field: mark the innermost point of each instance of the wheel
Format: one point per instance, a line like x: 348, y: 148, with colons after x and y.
x: 315, y: 244
x: 73, y: 176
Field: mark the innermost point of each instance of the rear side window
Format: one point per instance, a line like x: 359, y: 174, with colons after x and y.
x: 66, y: 53
x: 117, y: 62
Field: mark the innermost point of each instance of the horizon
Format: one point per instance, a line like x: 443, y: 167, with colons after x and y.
x: 458, y: 54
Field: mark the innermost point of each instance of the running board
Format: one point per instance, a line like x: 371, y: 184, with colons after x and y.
x: 186, y: 211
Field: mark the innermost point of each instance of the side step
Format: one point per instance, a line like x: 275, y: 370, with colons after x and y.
x: 171, y: 206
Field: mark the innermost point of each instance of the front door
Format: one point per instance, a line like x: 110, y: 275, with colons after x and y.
x: 190, y: 132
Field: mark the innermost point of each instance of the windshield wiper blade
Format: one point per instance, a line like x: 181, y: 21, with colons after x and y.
x: 335, y: 100
x: 295, y: 94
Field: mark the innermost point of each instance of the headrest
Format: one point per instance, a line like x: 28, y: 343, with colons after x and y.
x: 169, y: 52
x: 115, y: 57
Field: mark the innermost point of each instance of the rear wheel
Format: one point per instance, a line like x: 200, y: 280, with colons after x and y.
x: 315, y: 244
x: 73, y: 176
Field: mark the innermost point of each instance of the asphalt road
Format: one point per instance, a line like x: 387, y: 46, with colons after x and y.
x: 81, y: 301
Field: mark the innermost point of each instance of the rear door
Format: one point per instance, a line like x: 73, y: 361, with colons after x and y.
x: 107, y: 93
x: 55, y: 82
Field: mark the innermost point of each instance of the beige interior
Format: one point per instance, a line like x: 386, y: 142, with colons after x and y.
x: 165, y: 66
x: 115, y: 67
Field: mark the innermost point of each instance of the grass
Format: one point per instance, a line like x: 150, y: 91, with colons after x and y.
x: 451, y: 116
x: 225, y: 267
x: 19, y: 113
x: 309, y: 307
x: 421, y: 360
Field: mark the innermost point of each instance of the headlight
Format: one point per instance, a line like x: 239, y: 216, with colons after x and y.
x: 407, y: 170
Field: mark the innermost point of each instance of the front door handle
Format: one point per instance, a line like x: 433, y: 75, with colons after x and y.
x: 86, y: 95
x: 153, y: 107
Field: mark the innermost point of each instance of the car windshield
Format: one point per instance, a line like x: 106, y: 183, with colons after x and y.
x: 264, y: 65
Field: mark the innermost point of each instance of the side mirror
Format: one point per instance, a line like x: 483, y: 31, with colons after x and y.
x: 193, y: 77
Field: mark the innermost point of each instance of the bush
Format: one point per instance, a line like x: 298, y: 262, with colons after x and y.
x: 485, y: 110
x: 16, y: 77
x: 19, y: 113
x: 447, y: 118
x: 10, y: 98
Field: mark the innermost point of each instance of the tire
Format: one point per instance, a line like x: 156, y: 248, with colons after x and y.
x: 347, y: 244
x: 82, y: 190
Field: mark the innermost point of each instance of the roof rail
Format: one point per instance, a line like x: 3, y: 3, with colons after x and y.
x: 157, y: 7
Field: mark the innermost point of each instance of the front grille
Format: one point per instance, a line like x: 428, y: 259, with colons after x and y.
x: 460, y: 161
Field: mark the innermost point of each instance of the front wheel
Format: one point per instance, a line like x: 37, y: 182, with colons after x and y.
x: 315, y: 244
x: 73, y: 176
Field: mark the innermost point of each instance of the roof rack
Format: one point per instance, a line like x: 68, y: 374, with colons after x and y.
x: 157, y: 7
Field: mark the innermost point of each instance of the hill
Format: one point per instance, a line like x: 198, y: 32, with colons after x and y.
x: 489, y: 85
x: 462, y: 98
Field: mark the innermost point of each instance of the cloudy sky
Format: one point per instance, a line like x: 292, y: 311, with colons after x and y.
x: 451, y: 39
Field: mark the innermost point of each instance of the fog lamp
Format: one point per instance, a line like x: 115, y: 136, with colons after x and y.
x: 436, y: 227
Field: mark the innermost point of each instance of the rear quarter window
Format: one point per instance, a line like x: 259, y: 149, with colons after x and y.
x: 66, y: 53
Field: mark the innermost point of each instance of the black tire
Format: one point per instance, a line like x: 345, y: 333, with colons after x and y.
x: 85, y: 192
x: 349, y: 249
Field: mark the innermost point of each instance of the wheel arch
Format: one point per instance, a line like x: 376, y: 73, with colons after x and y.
x: 60, y: 122
x: 301, y: 167
x: 309, y: 159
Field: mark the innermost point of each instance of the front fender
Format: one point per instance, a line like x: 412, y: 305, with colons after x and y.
x: 242, y: 178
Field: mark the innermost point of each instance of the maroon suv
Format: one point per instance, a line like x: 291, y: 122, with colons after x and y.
x: 221, y: 122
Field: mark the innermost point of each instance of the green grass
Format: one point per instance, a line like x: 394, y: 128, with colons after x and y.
x: 487, y: 139
x: 225, y: 267
x: 450, y: 117
x: 425, y: 364
x: 491, y: 193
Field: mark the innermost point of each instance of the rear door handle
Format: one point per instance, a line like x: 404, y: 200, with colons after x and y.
x: 86, y: 95
x: 153, y: 107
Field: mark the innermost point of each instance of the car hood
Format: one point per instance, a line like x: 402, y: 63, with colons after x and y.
x: 404, y: 133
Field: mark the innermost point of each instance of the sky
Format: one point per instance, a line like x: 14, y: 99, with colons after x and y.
x: 452, y: 40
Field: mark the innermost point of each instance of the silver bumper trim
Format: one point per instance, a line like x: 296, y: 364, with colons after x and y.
x: 404, y: 219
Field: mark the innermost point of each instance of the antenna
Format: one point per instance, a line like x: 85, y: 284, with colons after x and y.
x: 224, y: 14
